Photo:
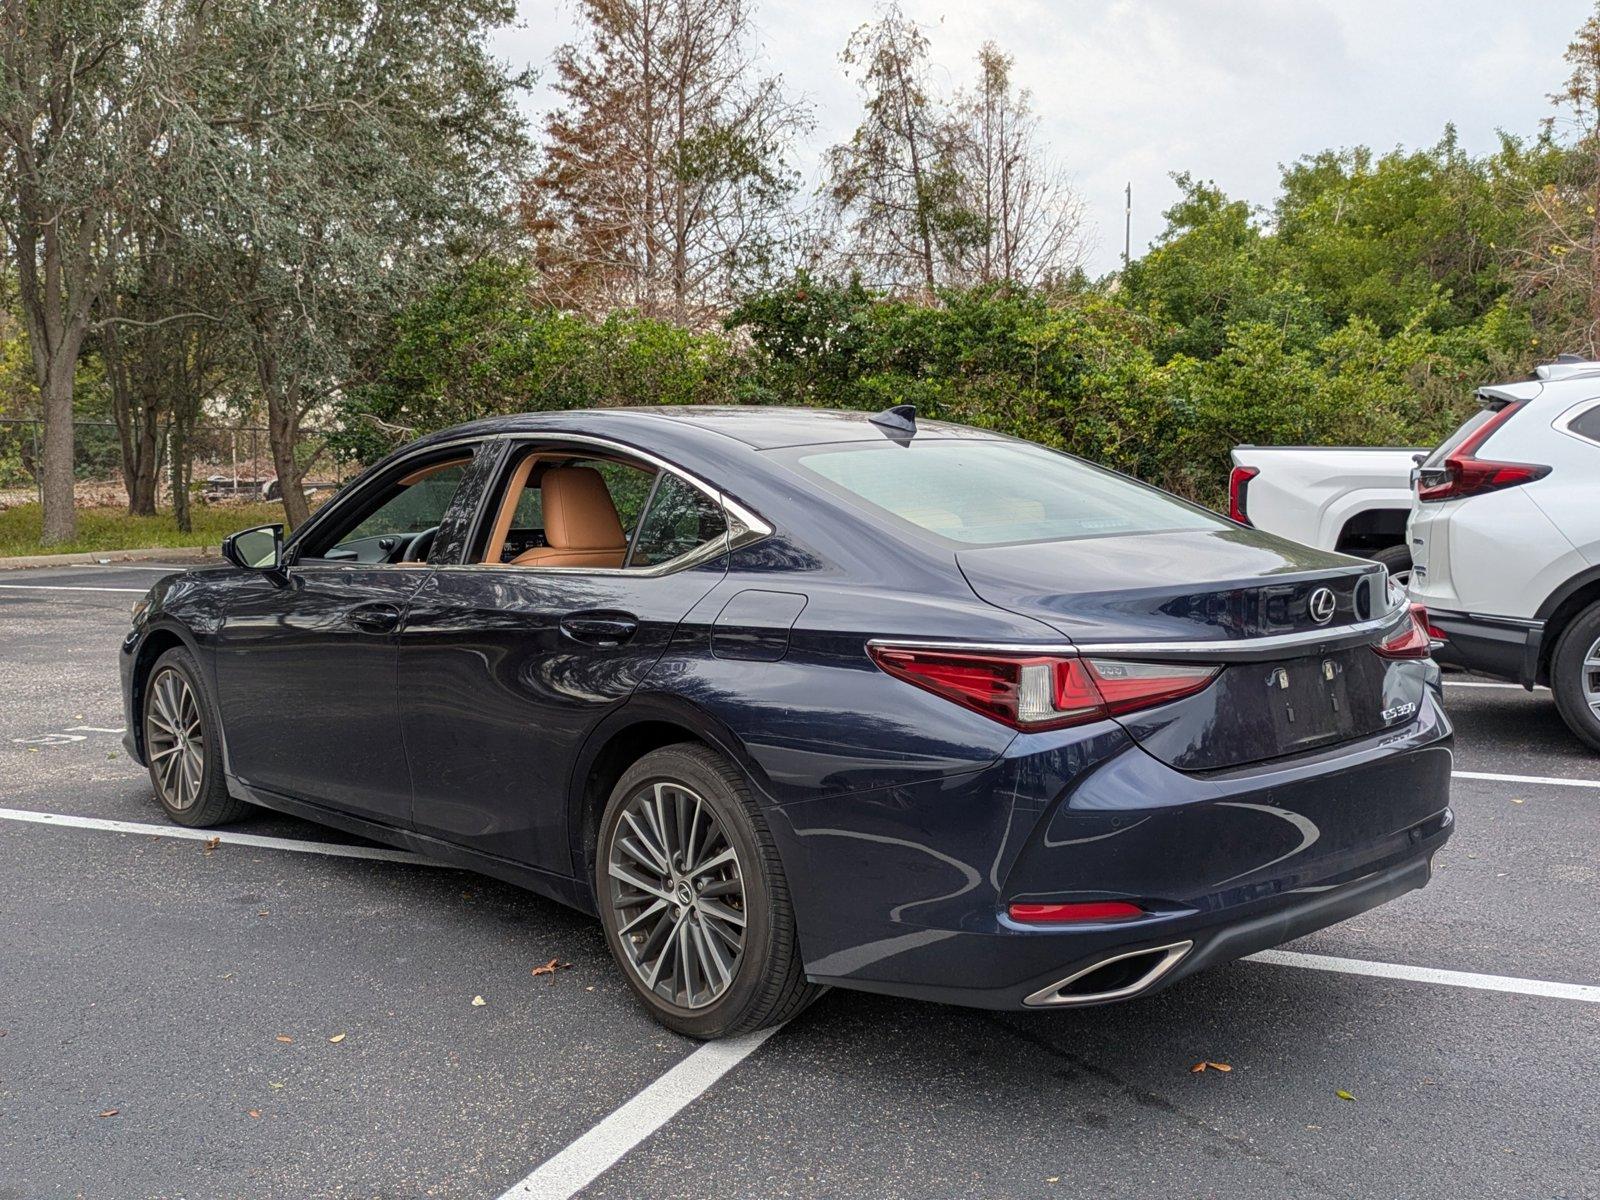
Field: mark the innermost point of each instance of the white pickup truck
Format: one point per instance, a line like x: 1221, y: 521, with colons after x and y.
x: 1352, y: 499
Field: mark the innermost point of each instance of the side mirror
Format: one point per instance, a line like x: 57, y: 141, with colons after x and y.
x: 258, y: 549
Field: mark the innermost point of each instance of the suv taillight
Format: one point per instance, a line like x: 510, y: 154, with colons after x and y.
x: 1239, y: 492
x: 1465, y: 474
x: 1033, y: 692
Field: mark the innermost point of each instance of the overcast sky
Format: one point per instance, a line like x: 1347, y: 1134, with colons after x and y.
x: 1132, y: 90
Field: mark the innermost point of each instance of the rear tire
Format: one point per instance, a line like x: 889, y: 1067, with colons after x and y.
x: 708, y: 942
x: 1397, y: 559
x: 1575, y: 675
x: 182, y: 744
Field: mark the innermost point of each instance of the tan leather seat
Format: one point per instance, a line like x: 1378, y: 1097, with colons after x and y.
x: 581, y: 528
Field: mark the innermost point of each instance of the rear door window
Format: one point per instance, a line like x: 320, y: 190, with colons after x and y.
x: 680, y: 518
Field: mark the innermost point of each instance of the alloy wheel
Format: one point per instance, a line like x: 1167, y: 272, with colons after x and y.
x: 175, y: 739
x: 676, y: 895
x: 1589, y: 677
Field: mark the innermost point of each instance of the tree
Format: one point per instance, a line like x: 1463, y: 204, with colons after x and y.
x: 339, y: 154
x: 894, y: 180
x: 1027, y: 221
x: 1558, y: 265
x: 664, y: 184
x: 74, y: 119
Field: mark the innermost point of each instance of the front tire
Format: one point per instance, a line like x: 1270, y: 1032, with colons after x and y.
x: 1575, y: 676
x: 693, y: 898
x: 182, y: 744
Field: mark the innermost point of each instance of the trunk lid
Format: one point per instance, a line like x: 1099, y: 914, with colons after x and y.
x: 1222, y: 587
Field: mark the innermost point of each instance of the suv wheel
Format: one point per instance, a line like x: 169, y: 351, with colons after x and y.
x: 1398, y: 561
x: 693, y: 898
x: 1575, y: 675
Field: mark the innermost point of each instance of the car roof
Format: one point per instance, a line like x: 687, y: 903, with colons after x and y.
x: 760, y: 427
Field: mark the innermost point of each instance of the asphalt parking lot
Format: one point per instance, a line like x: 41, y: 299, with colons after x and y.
x: 282, y: 1015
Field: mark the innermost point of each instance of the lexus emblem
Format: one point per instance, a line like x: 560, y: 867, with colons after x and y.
x: 1321, y: 605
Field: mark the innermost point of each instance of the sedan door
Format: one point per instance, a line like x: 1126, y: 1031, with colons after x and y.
x: 505, y: 669
x: 305, y: 662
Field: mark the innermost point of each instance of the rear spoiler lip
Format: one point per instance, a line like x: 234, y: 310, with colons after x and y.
x: 1251, y: 649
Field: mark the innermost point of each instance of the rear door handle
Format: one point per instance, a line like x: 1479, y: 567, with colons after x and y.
x: 374, y: 618
x: 600, y: 629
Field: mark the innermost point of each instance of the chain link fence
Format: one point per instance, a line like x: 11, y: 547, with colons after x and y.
x: 230, y: 462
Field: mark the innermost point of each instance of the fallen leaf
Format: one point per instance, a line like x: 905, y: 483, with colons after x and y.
x: 110, y: 1112
x: 337, y: 1038
x: 1223, y: 1067
x: 478, y: 1002
x: 1343, y: 1095
x: 285, y: 1038
x: 1197, y: 1068
x: 210, y: 844
x: 256, y: 1113
x: 550, y: 968
x: 277, y: 1087
x: 1516, y: 800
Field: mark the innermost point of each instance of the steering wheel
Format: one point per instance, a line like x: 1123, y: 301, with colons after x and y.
x: 415, y: 549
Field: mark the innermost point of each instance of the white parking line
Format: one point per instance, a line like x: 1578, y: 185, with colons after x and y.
x: 334, y: 849
x: 585, y: 1160
x: 1467, y: 979
x: 1554, y: 780
x: 66, y: 587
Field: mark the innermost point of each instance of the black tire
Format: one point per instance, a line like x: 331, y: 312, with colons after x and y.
x: 1397, y: 559
x: 198, y: 802
x: 1568, y: 675
x: 766, y: 985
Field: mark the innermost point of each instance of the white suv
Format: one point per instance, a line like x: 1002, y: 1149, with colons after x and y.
x: 1505, y: 538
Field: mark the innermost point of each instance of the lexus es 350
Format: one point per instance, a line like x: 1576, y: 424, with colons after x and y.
x: 795, y: 698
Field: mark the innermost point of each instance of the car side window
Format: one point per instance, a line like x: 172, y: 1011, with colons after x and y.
x: 386, y: 527
x: 680, y: 518
x: 1587, y: 424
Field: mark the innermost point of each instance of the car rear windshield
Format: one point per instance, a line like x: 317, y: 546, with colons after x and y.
x: 1468, y: 427
x: 983, y: 493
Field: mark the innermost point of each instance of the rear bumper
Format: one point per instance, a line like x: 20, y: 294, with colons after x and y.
x: 1507, y: 647
x: 904, y: 891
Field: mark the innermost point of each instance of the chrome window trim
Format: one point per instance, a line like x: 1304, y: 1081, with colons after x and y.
x: 1235, y: 650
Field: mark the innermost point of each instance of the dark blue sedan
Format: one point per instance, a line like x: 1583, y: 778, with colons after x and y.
x: 794, y: 698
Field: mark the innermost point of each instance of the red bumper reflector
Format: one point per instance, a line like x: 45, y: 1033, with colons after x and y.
x: 1059, y: 914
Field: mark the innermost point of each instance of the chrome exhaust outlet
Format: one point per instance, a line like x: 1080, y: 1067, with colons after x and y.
x: 1126, y: 974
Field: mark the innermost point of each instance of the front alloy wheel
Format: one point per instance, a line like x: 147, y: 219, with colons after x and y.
x: 180, y: 743
x: 175, y: 739
x: 677, y: 893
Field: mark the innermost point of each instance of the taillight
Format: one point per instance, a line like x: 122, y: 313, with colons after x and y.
x: 1464, y: 474
x: 1063, y: 914
x: 1033, y: 692
x: 1414, y: 639
x: 1238, y: 492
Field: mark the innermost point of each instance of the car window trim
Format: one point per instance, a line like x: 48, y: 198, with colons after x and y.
x: 744, y: 526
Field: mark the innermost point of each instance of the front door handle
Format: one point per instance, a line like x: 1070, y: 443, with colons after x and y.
x: 600, y: 629
x: 374, y: 618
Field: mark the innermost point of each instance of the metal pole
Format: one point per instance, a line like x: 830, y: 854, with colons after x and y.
x: 1127, y: 226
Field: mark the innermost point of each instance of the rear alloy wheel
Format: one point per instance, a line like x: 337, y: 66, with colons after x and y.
x: 179, y: 745
x: 1575, y: 675
x: 693, y: 899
